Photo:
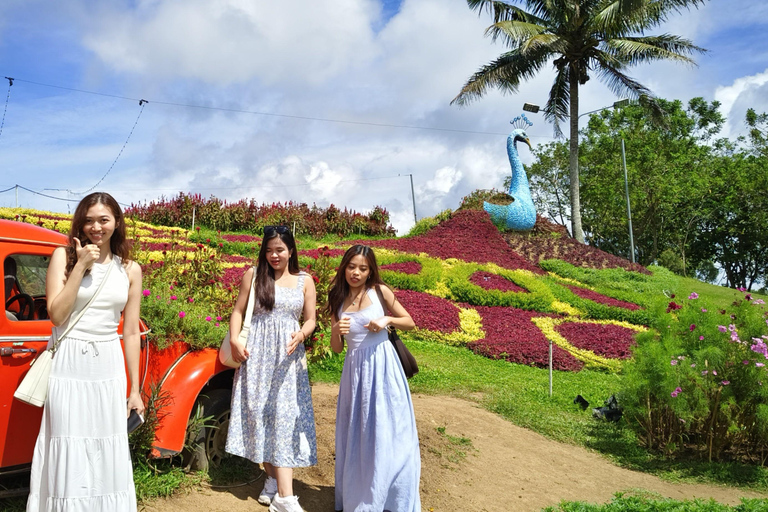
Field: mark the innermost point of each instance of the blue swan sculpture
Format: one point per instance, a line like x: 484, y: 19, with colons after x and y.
x: 519, y: 215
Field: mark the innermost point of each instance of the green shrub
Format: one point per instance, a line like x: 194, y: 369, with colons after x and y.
x: 538, y: 298
x: 430, y: 274
x: 698, y: 381
x: 427, y: 223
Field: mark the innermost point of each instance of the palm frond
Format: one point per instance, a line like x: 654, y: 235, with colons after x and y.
x: 638, y: 50
x: 556, y: 109
x: 501, y: 11
x: 621, y: 17
x: 658, y: 11
x: 620, y: 84
x: 504, y: 73
x: 513, y: 33
x: 553, y: 43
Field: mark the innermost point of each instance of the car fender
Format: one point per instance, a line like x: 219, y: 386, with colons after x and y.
x: 182, y: 385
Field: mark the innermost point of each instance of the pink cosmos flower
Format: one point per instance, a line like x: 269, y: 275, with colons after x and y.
x: 725, y: 382
x: 693, y: 296
x: 759, y: 364
x: 692, y: 327
x: 714, y: 372
x: 701, y: 338
x: 745, y: 361
x: 721, y: 328
x: 693, y: 365
x: 673, y: 362
x: 704, y: 372
x: 703, y: 310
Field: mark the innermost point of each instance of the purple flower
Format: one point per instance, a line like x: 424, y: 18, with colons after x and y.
x: 218, y: 319
x: 704, y: 372
x: 741, y: 289
x: 693, y: 296
x: 217, y: 324
x: 692, y: 327
x: 759, y: 365
x: 703, y: 310
x: 714, y: 372
x: 731, y: 327
x: 758, y: 301
x: 725, y: 382
x: 693, y: 365
x: 208, y: 318
x: 701, y: 338
x: 674, y: 394
x: 182, y: 314
x: 173, y: 297
x: 146, y: 293
x: 745, y: 361
x: 191, y: 300
x: 721, y: 328
x: 673, y: 362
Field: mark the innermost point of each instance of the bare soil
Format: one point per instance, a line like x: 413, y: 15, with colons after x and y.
x: 472, y: 459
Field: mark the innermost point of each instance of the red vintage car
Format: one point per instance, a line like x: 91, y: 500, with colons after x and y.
x: 187, y: 378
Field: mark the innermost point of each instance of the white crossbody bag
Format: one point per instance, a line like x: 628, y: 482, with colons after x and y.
x: 225, y: 352
x: 33, y: 389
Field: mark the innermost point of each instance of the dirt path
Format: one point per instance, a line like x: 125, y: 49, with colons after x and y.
x: 481, y: 462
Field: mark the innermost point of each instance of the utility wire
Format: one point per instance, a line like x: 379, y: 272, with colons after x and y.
x: 50, y: 196
x: 8, y: 189
x: 7, y: 98
x: 270, y: 114
x: 141, y: 104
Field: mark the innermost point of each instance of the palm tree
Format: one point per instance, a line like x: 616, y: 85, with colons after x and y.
x: 579, y: 37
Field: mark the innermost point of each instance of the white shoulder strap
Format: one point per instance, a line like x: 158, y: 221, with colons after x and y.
x: 251, y: 297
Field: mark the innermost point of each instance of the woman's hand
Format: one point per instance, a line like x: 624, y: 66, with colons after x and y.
x: 135, y: 402
x: 343, y: 325
x: 87, y: 255
x: 377, y: 325
x: 239, y: 352
x: 296, y: 338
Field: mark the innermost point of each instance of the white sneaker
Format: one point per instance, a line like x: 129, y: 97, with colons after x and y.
x: 285, y: 504
x: 267, y: 494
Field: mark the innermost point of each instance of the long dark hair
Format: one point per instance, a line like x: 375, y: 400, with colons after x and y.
x: 339, y: 286
x: 118, y: 243
x: 265, y: 274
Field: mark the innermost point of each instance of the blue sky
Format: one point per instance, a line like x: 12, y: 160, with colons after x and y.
x: 368, y: 61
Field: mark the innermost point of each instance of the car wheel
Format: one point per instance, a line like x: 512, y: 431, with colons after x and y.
x: 205, y: 446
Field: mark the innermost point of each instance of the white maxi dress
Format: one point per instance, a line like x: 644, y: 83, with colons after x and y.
x: 81, y: 461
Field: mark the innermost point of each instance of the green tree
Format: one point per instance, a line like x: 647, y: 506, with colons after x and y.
x: 603, y: 37
x: 669, y: 171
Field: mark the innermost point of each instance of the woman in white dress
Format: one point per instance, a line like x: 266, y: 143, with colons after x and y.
x: 81, y: 461
x: 378, y: 465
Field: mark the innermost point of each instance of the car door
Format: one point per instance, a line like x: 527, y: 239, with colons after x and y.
x: 24, y: 334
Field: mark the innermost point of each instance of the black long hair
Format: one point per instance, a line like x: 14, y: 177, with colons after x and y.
x: 339, y: 286
x: 265, y: 274
x: 118, y: 243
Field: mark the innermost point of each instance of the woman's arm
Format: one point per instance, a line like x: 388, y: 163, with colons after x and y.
x: 400, y: 318
x: 310, y: 312
x: 240, y: 353
x: 61, y: 290
x: 132, y: 336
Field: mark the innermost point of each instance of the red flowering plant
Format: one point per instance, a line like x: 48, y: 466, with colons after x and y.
x: 468, y: 235
x: 426, y: 277
x: 322, y: 269
x: 430, y: 312
x: 511, y: 335
x: 607, y: 340
x: 588, y: 294
x: 698, y: 381
x: 491, y: 281
x: 405, y: 267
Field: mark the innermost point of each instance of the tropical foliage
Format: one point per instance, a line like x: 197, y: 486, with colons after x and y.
x: 599, y: 37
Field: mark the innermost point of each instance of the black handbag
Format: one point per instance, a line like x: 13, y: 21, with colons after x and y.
x: 407, y: 360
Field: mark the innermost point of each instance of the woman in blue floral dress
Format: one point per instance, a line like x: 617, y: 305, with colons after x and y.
x: 272, y: 420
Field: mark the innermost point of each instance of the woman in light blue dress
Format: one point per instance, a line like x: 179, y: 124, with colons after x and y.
x: 272, y: 420
x: 378, y: 464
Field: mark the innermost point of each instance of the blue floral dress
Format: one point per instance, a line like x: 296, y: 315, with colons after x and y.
x: 272, y: 418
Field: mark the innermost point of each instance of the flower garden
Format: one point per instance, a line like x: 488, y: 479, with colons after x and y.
x: 690, y: 368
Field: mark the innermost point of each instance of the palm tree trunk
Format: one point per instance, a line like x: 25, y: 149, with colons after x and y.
x: 576, y: 230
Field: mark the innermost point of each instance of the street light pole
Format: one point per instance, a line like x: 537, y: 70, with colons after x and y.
x: 629, y: 211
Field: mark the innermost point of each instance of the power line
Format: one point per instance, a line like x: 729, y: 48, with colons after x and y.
x: 141, y: 104
x: 271, y: 114
x: 7, y: 98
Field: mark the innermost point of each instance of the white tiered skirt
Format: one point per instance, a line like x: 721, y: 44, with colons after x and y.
x: 81, y: 461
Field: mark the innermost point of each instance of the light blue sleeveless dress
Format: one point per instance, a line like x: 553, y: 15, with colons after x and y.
x: 272, y: 419
x: 378, y: 464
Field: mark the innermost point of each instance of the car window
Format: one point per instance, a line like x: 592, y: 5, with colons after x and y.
x: 24, y: 283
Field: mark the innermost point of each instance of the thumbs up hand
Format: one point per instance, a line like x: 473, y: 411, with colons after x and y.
x: 86, y: 255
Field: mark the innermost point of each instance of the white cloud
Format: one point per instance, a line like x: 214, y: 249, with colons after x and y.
x: 745, y: 92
